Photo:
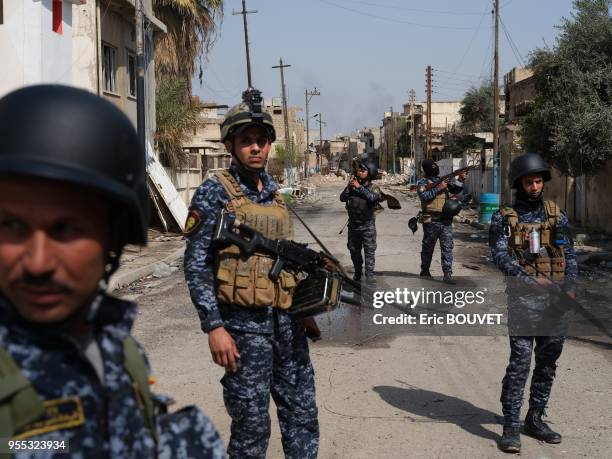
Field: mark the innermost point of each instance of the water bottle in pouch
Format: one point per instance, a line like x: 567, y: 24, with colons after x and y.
x: 534, y: 241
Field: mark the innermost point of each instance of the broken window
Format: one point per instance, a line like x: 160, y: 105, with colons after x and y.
x: 131, y: 74
x: 109, y: 68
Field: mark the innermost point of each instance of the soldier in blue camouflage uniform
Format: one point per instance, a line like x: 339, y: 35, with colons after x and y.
x: 362, y: 198
x: 528, y: 309
x: 435, y: 224
x: 262, y: 348
x: 70, y: 199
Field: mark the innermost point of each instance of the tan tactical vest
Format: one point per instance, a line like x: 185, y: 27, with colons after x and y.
x: 244, y: 281
x: 553, y: 263
x: 432, y: 208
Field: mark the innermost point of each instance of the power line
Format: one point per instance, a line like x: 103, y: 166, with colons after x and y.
x: 513, y: 46
x: 488, y: 52
x: 473, y: 37
x: 457, y: 73
x: 457, y: 80
x: 403, y: 8
x: 397, y: 21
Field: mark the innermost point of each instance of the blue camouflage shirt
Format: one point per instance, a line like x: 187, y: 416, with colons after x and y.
x: 96, y: 418
x: 529, y: 213
x: 208, y: 201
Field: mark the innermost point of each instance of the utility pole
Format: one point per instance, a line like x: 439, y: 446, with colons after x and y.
x: 244, y: 12
x: 496, y: 187
x: 429, y: 111
x: 412, y: 100
x: 282, y: 67
x: 308, y: 94
x: 140, y: 76
x: 320, y: 120
x: 394, y: 144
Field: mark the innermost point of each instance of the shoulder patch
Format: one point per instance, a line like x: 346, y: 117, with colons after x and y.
x: 59, y: 414
x: 194, y: 221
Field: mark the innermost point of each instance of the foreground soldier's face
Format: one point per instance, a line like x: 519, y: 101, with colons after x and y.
x: 362, y: 173
x: 54, y: 238
x: 252, y: 146
x: 533, y: 184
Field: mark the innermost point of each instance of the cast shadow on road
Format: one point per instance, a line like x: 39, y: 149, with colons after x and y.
x: 441, y: 408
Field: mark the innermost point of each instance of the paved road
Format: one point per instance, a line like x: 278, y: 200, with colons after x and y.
x: 407, y: 396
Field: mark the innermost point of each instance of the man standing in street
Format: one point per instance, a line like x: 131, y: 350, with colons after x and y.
x: 263, y: 350
x: 531, y: 241
x: 434, y: 193
x: 362, y: 198
x: 73, y: 193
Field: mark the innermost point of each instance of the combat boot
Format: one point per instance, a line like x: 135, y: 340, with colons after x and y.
x: 511, y: 440
x: 425, y: 273
x: 448, y: 279
x: 536, y: 428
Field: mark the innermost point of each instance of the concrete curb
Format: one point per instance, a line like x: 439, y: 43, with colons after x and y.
x: 123, y: 279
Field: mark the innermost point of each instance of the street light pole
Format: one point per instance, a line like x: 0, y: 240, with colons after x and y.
x: 307, y: 153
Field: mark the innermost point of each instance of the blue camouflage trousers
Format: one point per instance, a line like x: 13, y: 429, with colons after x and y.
x: 547, y: 351
x: 431, y: 233
x: 277, y: 364
x: 362, y: 236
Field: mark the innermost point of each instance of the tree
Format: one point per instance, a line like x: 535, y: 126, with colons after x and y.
x: 477, y: 109
x: 191, y: 31
x: 174, y: 120
x: 283, y: 159
x: 191, y: 28
x: 570, y: 121
x: 457, y: 142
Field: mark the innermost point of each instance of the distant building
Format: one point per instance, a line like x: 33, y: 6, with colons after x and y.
x: 297, y: 134
x: 206, y: 152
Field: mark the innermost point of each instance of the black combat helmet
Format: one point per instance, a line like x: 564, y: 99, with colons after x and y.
x: 451, y: 208
x: 527, y: 164
x: 370, y: 166
x: 71, y: 135
x: 430, y: 167
x: 247, y: 113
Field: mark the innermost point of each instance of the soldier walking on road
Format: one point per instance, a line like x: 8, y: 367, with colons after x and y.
x: 531, y: 241
x: 362, y: 198
x: 73, y: 193
x: 263, y: 349
x: 434, y: 193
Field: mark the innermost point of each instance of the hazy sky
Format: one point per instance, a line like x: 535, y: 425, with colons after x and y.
x: 365, y: 55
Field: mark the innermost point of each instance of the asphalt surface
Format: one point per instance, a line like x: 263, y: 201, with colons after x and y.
x: 393, y: 395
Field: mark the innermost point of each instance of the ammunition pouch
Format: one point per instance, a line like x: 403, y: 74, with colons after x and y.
x: 552, y: 263
x: 245, y: 281
x: 432, y: 210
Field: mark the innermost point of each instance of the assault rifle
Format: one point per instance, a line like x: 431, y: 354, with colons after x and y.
x: 564, y: 299
x: 320, y: 292
x: 447, y: 177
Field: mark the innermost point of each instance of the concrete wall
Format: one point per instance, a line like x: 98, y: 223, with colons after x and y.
x: 296, y: 126
x: 86, y: 47
x: 117, y: 32
x: 30, y: 51
x: 587, y: 200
